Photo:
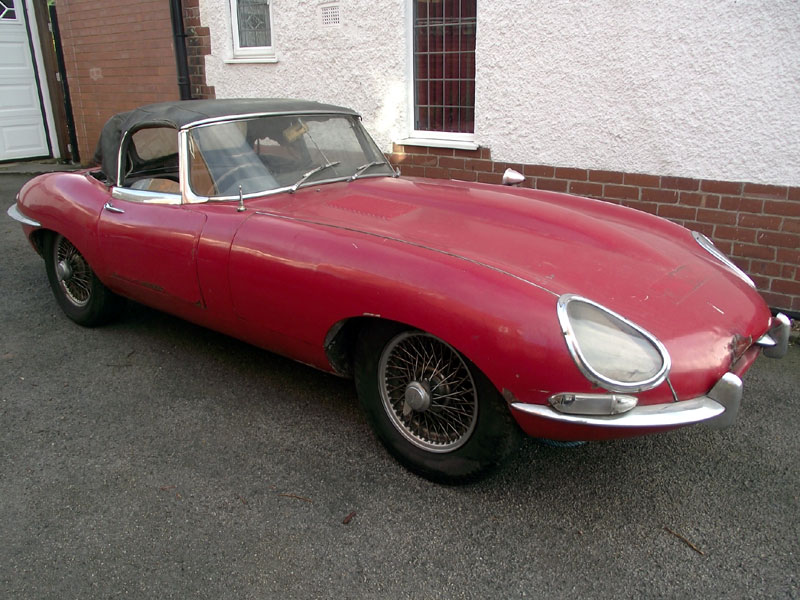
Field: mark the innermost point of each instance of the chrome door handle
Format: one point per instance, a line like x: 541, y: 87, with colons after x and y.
x: 110, y: 207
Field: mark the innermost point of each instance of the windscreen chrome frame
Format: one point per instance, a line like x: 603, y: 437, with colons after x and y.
x: 588, y: 371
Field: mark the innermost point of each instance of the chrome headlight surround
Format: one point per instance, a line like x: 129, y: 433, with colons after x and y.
x: 709, y: 247
x: 624, y: 328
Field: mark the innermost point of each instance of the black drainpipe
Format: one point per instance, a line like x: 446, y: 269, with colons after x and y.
x: 179, y: 38
x: 74, y: 156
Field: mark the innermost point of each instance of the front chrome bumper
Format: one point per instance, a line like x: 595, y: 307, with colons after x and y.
x: 719, y: 407
x: 776, y: 341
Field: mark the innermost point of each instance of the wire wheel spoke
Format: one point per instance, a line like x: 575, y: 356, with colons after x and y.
x: 76, y: 283
x: 446, y: 409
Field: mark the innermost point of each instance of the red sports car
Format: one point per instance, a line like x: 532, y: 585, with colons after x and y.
x: 465, y: 312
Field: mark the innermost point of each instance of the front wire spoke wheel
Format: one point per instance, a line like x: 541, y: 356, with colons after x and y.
x: 428, y: 392
x: 74, y: 273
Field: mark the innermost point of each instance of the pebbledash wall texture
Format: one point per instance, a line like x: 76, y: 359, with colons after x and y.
x: 688, y: 110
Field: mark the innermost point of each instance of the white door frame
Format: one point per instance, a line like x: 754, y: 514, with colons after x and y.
x: 44, y: 90
x: 28, y: 15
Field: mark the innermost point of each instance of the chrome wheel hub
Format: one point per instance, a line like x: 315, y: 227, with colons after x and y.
x: 64, y: 271
x: 418, y: 398
x: 428, y: 392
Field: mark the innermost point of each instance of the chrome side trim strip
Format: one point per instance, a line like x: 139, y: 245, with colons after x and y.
x: 722, y: 403
x: 144, y: 196
x: 14, y: 213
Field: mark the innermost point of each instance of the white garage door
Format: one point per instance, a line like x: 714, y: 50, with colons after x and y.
x: 22, y: 132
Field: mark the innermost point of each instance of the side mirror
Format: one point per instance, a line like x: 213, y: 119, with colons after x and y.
x: 512, y: 177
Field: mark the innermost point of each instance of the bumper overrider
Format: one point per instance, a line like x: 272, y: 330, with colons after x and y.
x: 619, y: 414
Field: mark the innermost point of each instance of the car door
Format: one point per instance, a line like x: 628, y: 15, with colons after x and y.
x: 150, y: 251
x: 147, y: 236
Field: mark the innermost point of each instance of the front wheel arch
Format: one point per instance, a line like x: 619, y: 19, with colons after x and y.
x: 480, y: 441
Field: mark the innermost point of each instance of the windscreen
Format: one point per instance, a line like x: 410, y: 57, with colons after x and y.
x: 264, y: 154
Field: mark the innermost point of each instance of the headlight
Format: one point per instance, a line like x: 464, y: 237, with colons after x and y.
x: 611, y: 351
x: 709, y: 246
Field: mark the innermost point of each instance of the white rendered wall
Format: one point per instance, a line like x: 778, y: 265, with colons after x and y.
x: 361, y: 64
x: 692, y: 88
x: 675, y: 87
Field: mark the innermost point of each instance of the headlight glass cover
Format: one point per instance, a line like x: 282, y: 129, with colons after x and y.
x: 709, y: 246
x: 611, y: 351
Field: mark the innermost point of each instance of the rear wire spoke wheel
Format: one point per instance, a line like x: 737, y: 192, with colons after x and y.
x: 78, y: 291
x: 430, y: 406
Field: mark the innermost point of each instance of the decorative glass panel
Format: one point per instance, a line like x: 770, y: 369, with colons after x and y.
x: 7, y: 11
x: 253, y: 21
x: 444, y: 63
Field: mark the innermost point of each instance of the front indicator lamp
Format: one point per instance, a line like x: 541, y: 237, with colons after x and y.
x: 593, y: 404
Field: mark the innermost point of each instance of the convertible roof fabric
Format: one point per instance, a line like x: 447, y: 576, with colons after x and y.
x: 183, y: 113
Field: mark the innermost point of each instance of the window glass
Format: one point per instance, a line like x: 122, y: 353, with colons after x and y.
x: 151, y: 152
x: 155, y: 142
x: 7, y: 11
x: 444, y: 65
x: 251, y: 27
x: 254, y: 23
x: 271, y: 153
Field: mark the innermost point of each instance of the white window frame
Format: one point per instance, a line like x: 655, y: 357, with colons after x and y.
x: 418, y: 137
x: 252, y: 54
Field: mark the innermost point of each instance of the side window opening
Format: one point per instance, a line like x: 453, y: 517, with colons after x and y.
x: 151, y: 160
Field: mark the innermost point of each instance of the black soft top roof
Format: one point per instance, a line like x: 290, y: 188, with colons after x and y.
x: 184, y: 113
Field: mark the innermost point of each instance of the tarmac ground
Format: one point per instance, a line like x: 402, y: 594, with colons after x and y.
x: 152, y: 458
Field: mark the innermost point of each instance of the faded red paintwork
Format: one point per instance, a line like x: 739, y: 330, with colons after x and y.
x: 479, y: 266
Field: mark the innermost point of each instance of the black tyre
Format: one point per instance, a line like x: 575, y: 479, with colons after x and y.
x: 430, y: 406
x: 79, y: 292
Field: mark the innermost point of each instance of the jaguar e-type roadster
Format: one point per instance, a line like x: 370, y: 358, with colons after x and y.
x: 465, y: 312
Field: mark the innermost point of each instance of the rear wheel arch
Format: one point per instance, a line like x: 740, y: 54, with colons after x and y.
x: 76, y: 287
x: 38, y: 238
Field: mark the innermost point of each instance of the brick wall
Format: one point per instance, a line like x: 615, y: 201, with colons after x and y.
x: 198, y: 45
x: 120, y: 55
x: 758, y: 226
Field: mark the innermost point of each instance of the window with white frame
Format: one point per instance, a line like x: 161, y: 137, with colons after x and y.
x: 444, y: 69
x: 251, y: 25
